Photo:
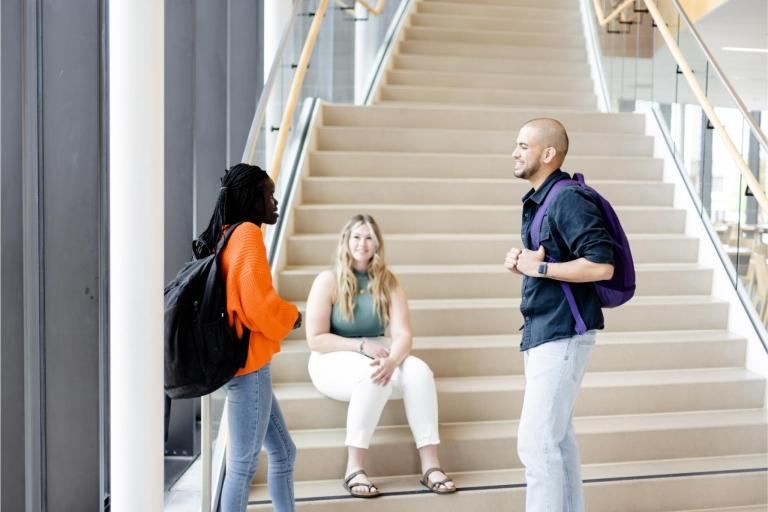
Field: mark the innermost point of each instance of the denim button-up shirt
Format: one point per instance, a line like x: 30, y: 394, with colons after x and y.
x: 572, y: 228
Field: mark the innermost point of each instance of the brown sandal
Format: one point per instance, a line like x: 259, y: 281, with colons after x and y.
x: 438, y: 487
x: 372, y: 490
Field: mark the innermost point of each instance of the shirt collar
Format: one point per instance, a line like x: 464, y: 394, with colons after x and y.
x: 537, y: 196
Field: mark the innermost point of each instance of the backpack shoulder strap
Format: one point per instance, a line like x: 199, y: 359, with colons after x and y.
x: 225, y: 239
x: 535, y: 230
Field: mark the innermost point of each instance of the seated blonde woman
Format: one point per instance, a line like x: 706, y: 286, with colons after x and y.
x: 348, y: 310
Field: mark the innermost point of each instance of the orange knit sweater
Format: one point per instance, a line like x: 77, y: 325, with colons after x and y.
x: 251, y: 299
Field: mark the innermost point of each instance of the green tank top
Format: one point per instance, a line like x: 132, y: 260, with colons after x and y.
x: 365, y: 321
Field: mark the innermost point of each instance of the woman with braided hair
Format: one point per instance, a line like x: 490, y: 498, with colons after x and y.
x: 254, y: 416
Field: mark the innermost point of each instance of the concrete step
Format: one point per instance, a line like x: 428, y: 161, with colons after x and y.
x: 438, y: 191
x: 730, y: 483
x: 474, y: 118
x: 491, y: 281
x: 507, y: 12
x: 467, y: 399
x: 477, y: 356
x: 497, y: 37
x: 433, y: 140
x: 483, y: 81
x: 488, y: 50
x: 399, y: 219
x: 749, y: 508
x: 440, y: 165
x: 545, y: 4
x: 563, y: 70
x: 482, y: 446
x: 478, y: 249
x: 436, y: 95
x: 466, y: 317
x: 539, y: 26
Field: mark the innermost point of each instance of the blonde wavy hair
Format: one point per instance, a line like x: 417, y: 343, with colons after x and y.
x: 381, y: 282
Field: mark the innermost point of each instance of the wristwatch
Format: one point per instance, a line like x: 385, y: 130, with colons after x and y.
x: 542, y: 269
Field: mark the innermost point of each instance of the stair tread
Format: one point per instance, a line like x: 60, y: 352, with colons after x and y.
x: 515, y: 237
x: 500, y: 11
x: 334, y: 437
x: 513, y: 304
x: 452, y: 108
x: 478, y: 479
x: 465, y: 132
x: 503, y: 340
x: 480, y: 90
x: 479, y: 269
x: 464, y: 207
x: 504, y: 63
x: 463, y: 181
x: 306, y: 390
x: 430, y: 47
x: 406, y: 154
x: 576, y: 37
x: 747, y: 508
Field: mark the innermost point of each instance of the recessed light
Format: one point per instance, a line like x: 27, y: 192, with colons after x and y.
x: 746, y: 50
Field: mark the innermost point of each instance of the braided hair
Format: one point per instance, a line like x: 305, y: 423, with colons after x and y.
x: 242, y: 197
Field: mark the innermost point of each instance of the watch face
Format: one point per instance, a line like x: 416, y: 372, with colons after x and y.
x: 543, y: 269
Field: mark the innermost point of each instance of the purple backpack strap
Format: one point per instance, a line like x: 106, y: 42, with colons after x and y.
x: 535, y: 232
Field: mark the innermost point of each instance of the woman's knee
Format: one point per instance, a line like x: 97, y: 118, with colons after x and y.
x: 415, y: 369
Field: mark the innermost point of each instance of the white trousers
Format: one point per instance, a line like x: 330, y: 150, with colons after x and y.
x: 346, y: 376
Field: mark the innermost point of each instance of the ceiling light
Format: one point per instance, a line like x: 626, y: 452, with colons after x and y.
x: 747, y: 50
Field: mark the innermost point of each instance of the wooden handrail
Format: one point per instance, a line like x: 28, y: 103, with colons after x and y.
x: 376, y: 11
x: 602, y: 19
x: 293, y: 95
x: 298, y: 81
x: 685, y: 68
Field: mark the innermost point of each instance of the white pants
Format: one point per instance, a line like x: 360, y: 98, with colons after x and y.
x: 546, y: 442
x: 346, y: 376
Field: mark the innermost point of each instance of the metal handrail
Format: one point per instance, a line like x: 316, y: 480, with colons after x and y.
x: 706, y: 105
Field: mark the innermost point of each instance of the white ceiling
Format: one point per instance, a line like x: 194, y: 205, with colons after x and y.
x: 737, y: 23
x: 742, y: 24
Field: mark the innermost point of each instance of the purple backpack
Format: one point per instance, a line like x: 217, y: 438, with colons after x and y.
x: 621, y: 287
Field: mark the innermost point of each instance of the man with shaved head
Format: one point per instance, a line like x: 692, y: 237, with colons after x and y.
x: 575, y: 247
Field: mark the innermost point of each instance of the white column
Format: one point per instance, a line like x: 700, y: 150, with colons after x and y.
x: 277, y: 13
x: 136, y: 57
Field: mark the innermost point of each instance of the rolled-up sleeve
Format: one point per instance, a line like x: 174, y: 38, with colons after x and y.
x: 579, y: 221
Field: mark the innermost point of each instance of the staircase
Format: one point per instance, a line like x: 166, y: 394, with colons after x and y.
x: 668, y: 418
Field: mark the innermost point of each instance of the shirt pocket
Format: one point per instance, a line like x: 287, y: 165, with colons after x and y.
x: 546, y: 230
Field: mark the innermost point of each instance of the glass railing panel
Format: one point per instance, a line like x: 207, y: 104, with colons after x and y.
x: 639, y: 66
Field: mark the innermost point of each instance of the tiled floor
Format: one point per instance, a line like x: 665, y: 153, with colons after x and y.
x: 184, y: 496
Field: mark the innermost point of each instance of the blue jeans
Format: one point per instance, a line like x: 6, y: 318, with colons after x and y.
x: 546, y: 443
x: 254, y: 420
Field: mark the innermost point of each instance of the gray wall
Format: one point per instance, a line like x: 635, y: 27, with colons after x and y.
x: 54, y: 218
x: 52, y: 174
x: 11, y: 258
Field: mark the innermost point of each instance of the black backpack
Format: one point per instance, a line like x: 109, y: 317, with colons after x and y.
x: 201, y: 351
